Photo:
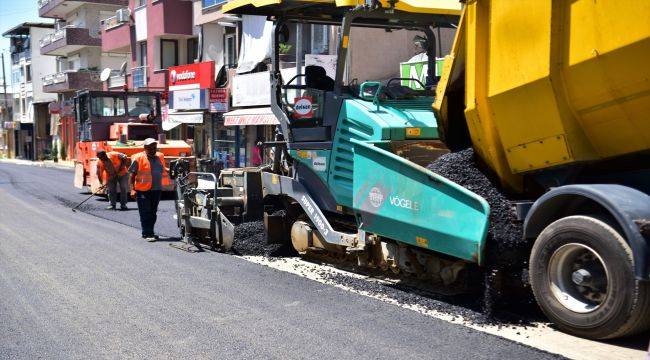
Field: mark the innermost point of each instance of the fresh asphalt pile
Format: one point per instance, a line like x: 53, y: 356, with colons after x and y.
x: 250, y: 240
x: 505, y: 247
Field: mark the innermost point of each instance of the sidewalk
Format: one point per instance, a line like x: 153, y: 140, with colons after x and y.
x: 65, y: 165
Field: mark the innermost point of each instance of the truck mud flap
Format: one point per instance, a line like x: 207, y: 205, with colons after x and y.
x: 403, y: 201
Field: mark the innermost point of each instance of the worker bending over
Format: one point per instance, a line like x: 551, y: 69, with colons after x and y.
x: 148, y: 175
x: 111, y: 170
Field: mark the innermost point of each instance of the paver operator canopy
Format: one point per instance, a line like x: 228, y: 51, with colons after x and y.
x: 416, y: 15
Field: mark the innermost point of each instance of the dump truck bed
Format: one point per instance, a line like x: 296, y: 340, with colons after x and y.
x: 551, y: 83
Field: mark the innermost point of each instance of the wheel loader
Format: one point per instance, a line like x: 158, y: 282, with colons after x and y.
x: 553, y: 97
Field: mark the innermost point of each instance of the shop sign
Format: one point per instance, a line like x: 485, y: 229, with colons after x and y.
x: 303, y: 108
x: 191, y: 76
x: 187, y: 99
x: 9, y: 125
x: 219, y: 100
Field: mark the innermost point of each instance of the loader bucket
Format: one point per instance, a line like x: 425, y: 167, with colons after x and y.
x: 400, y: 200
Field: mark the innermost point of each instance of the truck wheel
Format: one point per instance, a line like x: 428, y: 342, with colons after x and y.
x: 581, y: 273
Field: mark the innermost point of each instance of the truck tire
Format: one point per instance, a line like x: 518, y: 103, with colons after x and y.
x: 582, y: 276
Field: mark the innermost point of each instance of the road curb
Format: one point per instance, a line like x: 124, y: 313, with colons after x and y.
x: 37, y: 163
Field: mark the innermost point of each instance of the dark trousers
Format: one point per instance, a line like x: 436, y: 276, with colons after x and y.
x: 147, y: 207
x: 123, y: 182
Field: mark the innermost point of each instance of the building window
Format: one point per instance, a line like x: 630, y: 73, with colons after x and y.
x: 230, y: 50
x: 143, y: 54
x: 28, y: 73
x: 192, y: 50
x: 319, y: 39
x: 168, y: 53
x: 209, y: 3
x: 139, y: 3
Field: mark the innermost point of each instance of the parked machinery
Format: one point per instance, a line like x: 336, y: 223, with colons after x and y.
x: 559, y: 119
x: 118, y: 121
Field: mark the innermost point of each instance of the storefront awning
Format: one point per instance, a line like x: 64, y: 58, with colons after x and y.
x: 253, y: 116
x: 175, y: 119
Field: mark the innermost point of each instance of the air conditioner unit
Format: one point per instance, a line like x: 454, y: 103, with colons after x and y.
x: 123, y: 15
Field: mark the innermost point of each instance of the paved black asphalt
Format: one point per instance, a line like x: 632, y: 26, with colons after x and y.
x: 76, y: 285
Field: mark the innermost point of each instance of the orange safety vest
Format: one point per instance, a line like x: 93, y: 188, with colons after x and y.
x: 143, y: 178
x: 116, y: 160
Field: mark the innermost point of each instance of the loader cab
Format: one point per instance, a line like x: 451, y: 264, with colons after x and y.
x: 98, y: 114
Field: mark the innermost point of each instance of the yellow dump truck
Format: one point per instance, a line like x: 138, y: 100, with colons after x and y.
x: 554, y: 97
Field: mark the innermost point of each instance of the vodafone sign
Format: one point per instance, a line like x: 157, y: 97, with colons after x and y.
x: 191, y: 76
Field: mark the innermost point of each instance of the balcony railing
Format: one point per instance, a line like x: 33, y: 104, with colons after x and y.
x: 50, y: 38
x: 57, y: 78
x: 122, y: 16
x: 139, y: 77
x: 116, y: 80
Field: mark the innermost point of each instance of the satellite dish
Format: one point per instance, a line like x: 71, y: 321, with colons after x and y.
x: 123, y: 68
x: 106, y: 73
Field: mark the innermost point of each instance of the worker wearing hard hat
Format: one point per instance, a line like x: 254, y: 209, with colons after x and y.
x: 111, y: 170
x: 148, y: 175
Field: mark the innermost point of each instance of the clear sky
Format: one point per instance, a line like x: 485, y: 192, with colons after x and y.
x: 12, y: 13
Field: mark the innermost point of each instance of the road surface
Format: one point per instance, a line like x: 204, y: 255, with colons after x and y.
x: 82, y: 285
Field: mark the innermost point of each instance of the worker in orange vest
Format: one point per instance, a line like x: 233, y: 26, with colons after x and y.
x: 148, y: 176
x: 111, y: 170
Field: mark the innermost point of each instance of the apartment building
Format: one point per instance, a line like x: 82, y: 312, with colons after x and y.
x: 29, y: 133
x: 155, y: 35
x: 77, y: 47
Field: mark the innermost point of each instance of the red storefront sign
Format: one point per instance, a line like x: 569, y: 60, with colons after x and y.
x: 191, y: 76
x: 219, y: 100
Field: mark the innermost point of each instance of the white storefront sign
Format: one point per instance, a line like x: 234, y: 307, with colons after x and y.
x: 187, y: 99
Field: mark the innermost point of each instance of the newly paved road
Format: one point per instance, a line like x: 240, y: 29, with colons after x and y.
x: 79, y: 285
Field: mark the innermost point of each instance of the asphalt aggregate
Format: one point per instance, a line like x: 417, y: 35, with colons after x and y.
x: 82, y: 285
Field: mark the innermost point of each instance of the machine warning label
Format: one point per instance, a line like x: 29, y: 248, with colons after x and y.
x: 319, y: 163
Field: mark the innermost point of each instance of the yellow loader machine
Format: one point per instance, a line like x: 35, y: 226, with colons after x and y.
x: 553, y: 96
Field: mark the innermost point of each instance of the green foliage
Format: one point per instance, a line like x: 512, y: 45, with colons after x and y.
x: 284, y: 48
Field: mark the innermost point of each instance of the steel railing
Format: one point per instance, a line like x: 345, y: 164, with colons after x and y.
x: 139, y: 76
x: 50, y: 38
x: 115, y: 21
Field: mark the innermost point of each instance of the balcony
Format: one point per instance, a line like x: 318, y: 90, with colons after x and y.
x: 116, y: 32
x: 58, y: 9
x: 25, y: 55
x: 66, y: 40
x: 116, y: 80
x: 71, y: 81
